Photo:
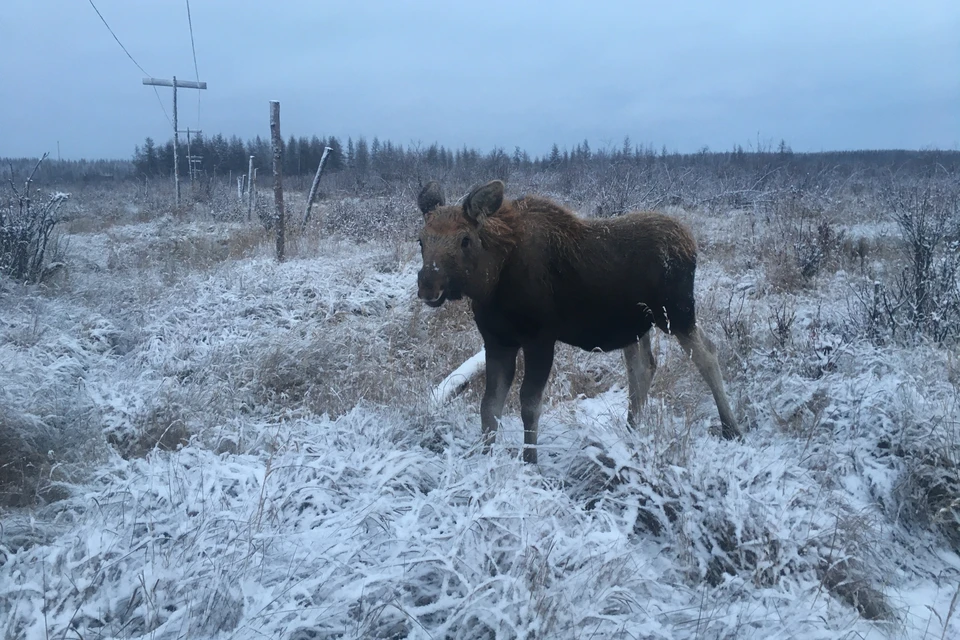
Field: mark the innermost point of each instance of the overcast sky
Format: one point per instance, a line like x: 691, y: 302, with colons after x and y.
x: 820, y: 74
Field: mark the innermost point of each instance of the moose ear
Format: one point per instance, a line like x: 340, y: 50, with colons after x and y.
x: 431, y: 197
x: 483, y: 201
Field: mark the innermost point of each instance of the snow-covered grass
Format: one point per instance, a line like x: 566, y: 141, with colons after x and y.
x: 198, y: 442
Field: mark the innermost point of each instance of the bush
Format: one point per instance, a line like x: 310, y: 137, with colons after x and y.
x: 26, y: 229
x: 923, y: 295
x: 806, y: 243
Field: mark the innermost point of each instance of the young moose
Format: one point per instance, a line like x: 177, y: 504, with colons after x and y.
x: 536, y: 274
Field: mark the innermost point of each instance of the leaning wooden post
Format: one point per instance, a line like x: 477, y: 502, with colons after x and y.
x: 250, y: 190
x: 277, y: 174
x: 314, y: 187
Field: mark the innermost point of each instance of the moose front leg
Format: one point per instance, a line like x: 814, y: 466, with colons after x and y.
x: 501, y: 366
x: 538, y: 360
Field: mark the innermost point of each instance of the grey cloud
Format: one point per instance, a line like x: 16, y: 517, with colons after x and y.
x: 822, y: 75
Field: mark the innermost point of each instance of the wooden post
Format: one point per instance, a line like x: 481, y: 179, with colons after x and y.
x: 277, y: 174
x: 176, y: 144
x: 315, y: 186
x: 250, y: 191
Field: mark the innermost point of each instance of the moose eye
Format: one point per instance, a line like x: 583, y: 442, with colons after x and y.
x: 465, y: 242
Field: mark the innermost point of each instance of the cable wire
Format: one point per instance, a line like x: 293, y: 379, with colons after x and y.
x: 193, y: 47
x: 165, y: 114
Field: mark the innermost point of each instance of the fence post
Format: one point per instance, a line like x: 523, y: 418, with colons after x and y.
x: 315, y: 186
x: 277, y: 174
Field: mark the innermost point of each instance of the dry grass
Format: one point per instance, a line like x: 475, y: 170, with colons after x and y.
x: 319, y: 354
x: 928, y: 494
x: 40, y: 457
x: 724, y: 540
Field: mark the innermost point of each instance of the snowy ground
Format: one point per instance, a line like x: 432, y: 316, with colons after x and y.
x: 305, y: 487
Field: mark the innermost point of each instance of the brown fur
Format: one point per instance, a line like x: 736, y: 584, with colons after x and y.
x: 537, y: 274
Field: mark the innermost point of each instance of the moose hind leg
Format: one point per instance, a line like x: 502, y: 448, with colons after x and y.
x: 704, y: 353
x: 501, y: 366
x: 538, y: 360
x: 641, y: 366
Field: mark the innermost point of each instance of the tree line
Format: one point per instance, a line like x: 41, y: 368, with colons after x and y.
x: 362, y: 163
x: 219, y: 155
x: 390, y: 161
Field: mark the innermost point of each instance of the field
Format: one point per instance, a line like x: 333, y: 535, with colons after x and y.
x: 199, y: 441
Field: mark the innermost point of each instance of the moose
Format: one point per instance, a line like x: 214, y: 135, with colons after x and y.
x: 536, y: 274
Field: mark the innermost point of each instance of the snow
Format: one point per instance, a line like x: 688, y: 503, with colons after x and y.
x: 330, y: 484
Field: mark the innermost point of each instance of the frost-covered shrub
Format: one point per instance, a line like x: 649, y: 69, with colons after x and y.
x: 27, y: 237
x: 805, y: 239
x: 927, y: 290
x: 379, y: 218
x: 920, y: 294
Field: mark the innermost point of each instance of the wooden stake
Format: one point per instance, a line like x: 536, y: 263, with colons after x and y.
x: 250, y: 190
x: 315, y: 186
x: 277, y: 174
x: 176, y: 143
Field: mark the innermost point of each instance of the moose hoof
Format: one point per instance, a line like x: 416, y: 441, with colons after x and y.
x: 730, y: 432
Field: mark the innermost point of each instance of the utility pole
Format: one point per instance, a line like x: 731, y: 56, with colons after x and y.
x: 184, y: 84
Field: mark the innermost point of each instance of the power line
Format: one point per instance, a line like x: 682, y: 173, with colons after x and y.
x: 167, y: 116
x: 195, y: 69
x: 116, y: 38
